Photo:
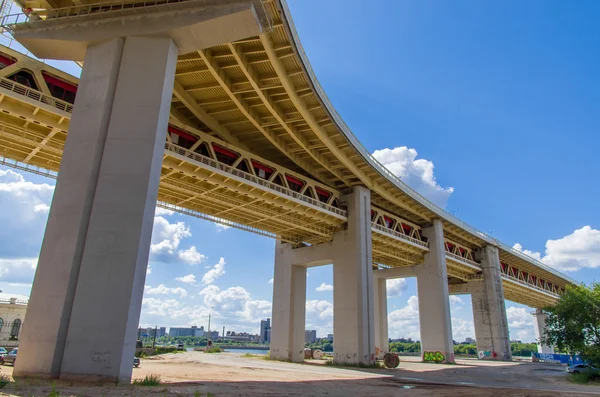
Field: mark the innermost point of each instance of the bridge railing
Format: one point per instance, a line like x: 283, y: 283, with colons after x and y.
x: 244, y: 175
x: 129, y: 7
x: 459, y: 258
x: 35, y: 95
x: 399, y: 235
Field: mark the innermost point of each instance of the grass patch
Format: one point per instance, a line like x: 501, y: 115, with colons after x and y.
x: 148, y: 380
x: 213, y: 350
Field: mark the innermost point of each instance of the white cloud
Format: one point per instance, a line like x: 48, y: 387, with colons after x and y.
x: 191, y: 256
x: 520, y: 324
x: 319, y: 316
x: 163, y: 212
x: 164, y: 290
x: 324, y: 287
x: 24, y: 209
x: 578, y: 250
x: 271, y: 281
x: 217, y: 271
x: 221, y: 227
x: 404, y: 322
x: 17, y: 270
x: 189, y: 279
x: 148, y: 269
x: 416, y: 173
x: 395, y: 287
x: 455, y: 300
x: 166, y: 238
x: 43, y: 208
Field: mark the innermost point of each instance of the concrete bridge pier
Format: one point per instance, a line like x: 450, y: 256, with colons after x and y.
x: 86, y: 297
x: 540, y: 327
x: 353, y: 322
x: 489, y: 309
x: 434, y: 300
x: 380, y: 312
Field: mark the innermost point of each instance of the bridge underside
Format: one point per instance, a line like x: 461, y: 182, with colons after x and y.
x: 246, y: 138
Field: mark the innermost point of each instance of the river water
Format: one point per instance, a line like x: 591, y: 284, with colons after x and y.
x: 248, y: 351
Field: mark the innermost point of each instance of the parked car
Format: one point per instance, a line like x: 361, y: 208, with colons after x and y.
x: 3, y: 352
x: 582, y: 369
x: 136, y: 361
x: 10, y: 358
x: 180, y: 346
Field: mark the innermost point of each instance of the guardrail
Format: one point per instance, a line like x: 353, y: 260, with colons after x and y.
x: 131, y: 7
x: 465, y: 260
x: 35, y: 95
x: 526, y: 284
x: 387, y: 173
x: 399, y: 235
x: 244, y: 175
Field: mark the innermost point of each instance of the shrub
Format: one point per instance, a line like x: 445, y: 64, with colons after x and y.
x: 148, y: 380
x: 213, y: 350
x: 4, y: 380
x: 580, y: 378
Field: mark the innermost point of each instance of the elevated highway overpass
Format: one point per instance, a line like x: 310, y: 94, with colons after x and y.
x: 246, y: 137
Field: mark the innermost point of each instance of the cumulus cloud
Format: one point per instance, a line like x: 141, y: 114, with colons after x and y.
x: 28, y: 203
x: 166, y: 238
x: 520, y: 323
x: 213, y: 274
x: 455, y: 300
x: 319, y: 316
x: 189, y: 279
x: 271, y: 281
x: 416, y: 173
x: 164, y: 290
x: 17, y: 270
x: 578, y: 250
x: 324, y: 287
x: 163, y: 212
x: 395, y: 287
x: 221, y: 228
x: 404, y: 322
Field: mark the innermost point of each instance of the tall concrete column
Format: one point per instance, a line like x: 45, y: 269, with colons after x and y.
x: 86, y: 297
x: 380, y: 311
x: 434, y: 301
x: 353, y: 322
x: 540, y: 329
x: 289, y: 307
x: 489, y: 309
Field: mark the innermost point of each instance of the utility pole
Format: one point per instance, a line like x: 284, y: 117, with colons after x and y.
x: 154, y: 341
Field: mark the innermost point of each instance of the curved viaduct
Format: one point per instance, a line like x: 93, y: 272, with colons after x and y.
x: 212, y: 108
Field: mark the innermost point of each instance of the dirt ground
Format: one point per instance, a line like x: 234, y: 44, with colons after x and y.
x: 229, y: 375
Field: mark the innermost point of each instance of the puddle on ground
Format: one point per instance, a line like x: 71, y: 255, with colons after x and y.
x: 407, y: 387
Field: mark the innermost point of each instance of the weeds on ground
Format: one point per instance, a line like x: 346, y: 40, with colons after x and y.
x: 148, y: 380
x: 209, y: 394
x: 4, y: 380
x: 213, y: 350
x: 53, y: 392
x: 585, y: 378
x: 198, y: 394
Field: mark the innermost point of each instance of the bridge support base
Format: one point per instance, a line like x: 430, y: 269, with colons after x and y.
x: 85, y: 303
x: 489, y: 309
x: 350, y: 253
x: 381, y: 320
x: 434, y: 304
x: 540, y: 328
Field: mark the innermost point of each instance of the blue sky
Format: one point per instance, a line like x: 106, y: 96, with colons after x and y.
x: 491, y: 110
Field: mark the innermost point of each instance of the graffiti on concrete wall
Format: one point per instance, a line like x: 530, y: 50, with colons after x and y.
x: 434, y: 357
x: 484, y: 354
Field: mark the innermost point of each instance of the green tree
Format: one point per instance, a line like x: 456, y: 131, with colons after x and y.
x: 573, y: 323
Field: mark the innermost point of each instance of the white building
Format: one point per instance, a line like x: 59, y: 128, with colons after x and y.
x: 12, y: 315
